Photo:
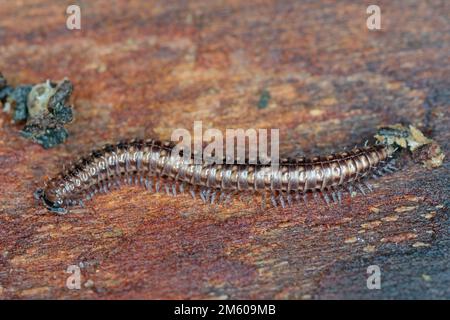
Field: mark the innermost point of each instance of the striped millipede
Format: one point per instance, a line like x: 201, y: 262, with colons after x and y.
x: 151, y: 164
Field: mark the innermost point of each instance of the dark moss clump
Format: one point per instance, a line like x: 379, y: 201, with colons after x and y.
x: 264, y: 99
x: 44, y: 108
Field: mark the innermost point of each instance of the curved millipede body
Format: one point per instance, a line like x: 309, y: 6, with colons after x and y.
x: 151, y: 163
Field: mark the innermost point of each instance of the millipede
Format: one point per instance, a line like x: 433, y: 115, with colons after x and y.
x: 152, y: 164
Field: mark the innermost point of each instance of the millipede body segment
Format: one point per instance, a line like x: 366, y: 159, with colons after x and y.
x: 152, y: 164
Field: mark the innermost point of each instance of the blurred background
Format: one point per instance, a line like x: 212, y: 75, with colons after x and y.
x: 313, y: 69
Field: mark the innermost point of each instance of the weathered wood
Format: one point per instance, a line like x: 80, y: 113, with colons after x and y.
x: 310, y: 68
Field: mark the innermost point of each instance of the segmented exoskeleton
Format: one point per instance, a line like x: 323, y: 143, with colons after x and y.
x: 152, y: 164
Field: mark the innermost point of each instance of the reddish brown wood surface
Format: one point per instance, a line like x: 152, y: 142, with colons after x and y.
x: 144, y: 69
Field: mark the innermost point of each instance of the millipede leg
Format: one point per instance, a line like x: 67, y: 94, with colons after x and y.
x: 213, y: 197
x: 297, y: 197
x: 283, y: 204
x: 289, y: 199
x: 148, y: 185
x: 315, y: 196
x: 360, y: 188
x: 350, y: 190
x: 174, y: 189
x: 387, y: 169
x: 368, y: 186
x: 273, y: 200
x: 263, y: 200
x: 305, y: 198
x: 392, y: 167
x: 333, y: 195
x: 339, y: 195
x: 202, y: 196
x: 222, y: 196
x: 228, y: 198
x: 166, y: 187
x: 106, y: 186
x: 326, y: 198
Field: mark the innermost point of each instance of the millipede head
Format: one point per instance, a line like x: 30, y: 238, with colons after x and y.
x: 55, y: 206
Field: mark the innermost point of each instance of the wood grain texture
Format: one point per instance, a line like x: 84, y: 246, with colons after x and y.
x: 310, y: 68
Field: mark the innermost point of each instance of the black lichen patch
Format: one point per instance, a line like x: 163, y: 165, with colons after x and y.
x: 44, y: 108
x: 5, y: 90
x: 18, y: 99
x: 48, y: 138
x: 57, y: 104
